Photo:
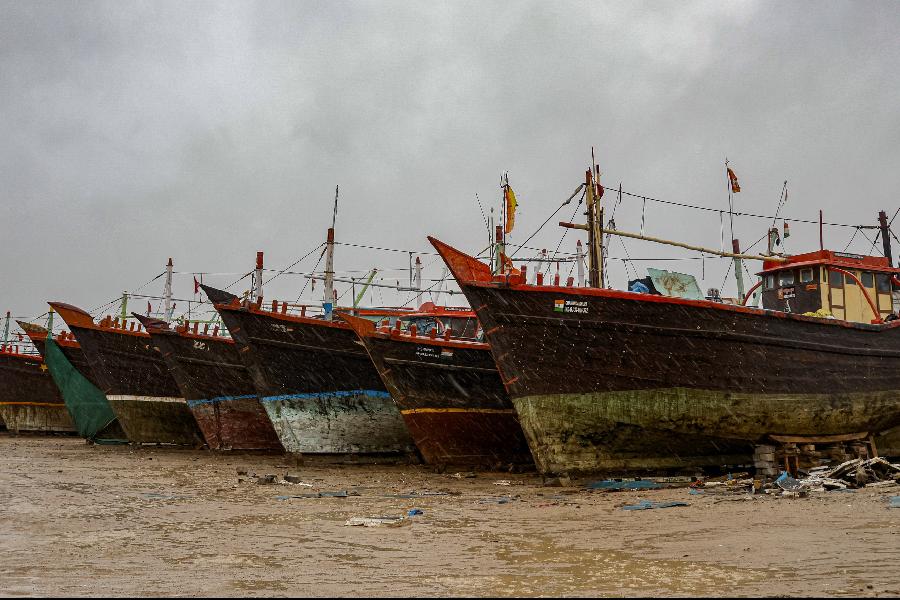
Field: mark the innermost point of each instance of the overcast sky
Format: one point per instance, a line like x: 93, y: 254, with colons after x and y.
x: 205, y: 131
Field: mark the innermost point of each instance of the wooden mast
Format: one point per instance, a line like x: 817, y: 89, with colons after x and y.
x: 885, y: 237
x: 673, y: 243
x: 328, y: 304
x: 593, y: 227
x: 169, y: 306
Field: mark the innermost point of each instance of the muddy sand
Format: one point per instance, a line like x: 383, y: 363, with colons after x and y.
x: 86, y: 520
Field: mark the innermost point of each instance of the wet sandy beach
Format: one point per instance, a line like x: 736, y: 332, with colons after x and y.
x: 85, y: 520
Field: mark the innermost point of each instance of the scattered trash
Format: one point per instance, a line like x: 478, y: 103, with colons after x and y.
x: 648, y: 505
x: 788, y: 483
x: 466, y: 475
x: 502, y: 482
x: 339, y: 494
x: 618, y: 484
x: 295, y: 479
x: 695, y: 492
x: 376, y: 522
x: 853, y: 473
x: 267, y: 480
x: 420, y: 494
x: 414, y: 511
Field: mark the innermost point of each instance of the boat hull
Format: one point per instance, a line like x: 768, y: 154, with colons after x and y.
x: 218, y: 390
x: 29, y: 400
x: 452, y: 400
x: 604, y: 379
x: 93, y: 417
x: 344, y: 422
x: 133, y: 375
x: 156, y: 419
x: 319, y: 387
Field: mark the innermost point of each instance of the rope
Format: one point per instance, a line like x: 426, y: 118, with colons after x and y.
x: 741, y: 214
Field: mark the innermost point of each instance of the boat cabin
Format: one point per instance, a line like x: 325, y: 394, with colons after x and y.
x: 851, y: 287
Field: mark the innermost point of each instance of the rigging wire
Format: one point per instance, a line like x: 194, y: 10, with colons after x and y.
x: 565, y: 202
x: 741, y: 214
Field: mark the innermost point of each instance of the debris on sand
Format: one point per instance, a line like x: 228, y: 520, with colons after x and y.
x: 376, y: 522
x: 648, y: 505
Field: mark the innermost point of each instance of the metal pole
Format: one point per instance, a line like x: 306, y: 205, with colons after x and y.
x: 6, y: 330
x: 169, y: 307
x: 885, y: 237
x: 738, y: 270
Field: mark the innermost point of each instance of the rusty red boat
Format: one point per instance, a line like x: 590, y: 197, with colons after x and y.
x: 607, y: 380
x: 447, y: 388
x: 215, y: 384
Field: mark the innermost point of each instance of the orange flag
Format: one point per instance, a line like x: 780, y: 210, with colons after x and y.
x: 510, y: 209
x: 735, y: 186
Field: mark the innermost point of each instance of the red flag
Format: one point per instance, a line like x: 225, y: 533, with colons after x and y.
x: 149, y: 308
x: 732, y: 178
x: 196, y: 286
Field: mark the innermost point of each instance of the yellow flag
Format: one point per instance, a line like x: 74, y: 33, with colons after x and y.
x: 510, y: 209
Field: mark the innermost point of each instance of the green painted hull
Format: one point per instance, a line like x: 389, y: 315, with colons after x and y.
x: 90, y: 410
x: 678, y: 428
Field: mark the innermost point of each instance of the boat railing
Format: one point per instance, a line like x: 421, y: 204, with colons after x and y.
x: 21, y: 347
x: 203, y: 327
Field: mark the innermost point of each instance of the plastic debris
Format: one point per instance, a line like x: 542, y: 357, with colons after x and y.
x: 376, y: 522
x: 414, y: 512
x: 502, y: 482
x: 465, y: 475
x: 648, y: 505
x: 894, y: 501
x: 338, y: 494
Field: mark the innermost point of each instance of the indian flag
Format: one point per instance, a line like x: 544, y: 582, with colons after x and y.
x: 559, y: 305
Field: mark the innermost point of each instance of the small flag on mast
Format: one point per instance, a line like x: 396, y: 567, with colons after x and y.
x: 510, y: 198
x: 196, y: 286
x: 732, y: 178
x: 149, y: 308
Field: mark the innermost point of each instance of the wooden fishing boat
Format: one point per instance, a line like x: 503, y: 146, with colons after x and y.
x: 90, y: 410
x: 318, y: 385
x: 216, y: 385
x: 447, y: 389
x: 134, y: 377
x: 29, y: 400
x: 609, y: 380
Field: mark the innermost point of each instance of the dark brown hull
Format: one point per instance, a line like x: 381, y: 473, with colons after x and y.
x: 607, y: 380
x: 136, y: 381
x: 29, y: 400
x: 318, y: 385
x: 218, y: 390
x: 452, y: 400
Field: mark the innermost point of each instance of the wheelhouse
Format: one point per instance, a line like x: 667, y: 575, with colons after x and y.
x: 850, y: 287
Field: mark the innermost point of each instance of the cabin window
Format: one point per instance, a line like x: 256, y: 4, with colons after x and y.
x: 868, y: 279
x: 806, y: 275
x: 835, y: 279
x: 884, y: 283
x: 770, y: 282
x: 849, y: 280
x: 786, y: 278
